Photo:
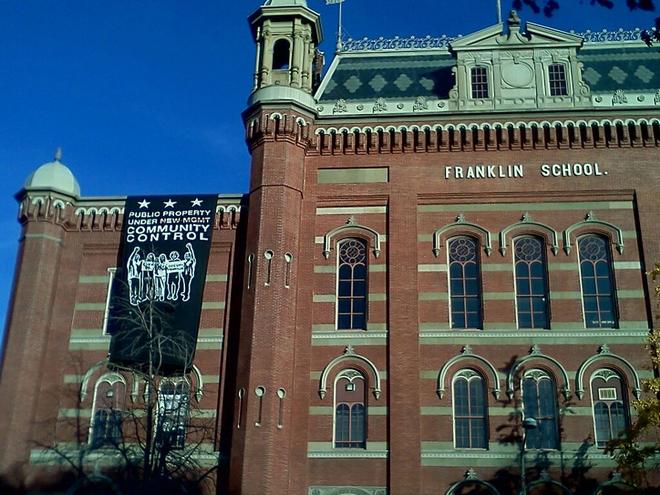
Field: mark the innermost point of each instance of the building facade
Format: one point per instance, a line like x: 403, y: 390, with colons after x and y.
x: 443, y: 249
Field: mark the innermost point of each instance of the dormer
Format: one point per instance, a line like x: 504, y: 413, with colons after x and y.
x: 512, y: 66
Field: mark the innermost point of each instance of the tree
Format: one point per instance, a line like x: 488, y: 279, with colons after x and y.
x: 152, y: 442
x: 637, y: 452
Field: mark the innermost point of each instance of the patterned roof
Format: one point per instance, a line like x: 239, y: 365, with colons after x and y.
x: 359, y: 77
x: 368, y: 76
x: 631, y: 69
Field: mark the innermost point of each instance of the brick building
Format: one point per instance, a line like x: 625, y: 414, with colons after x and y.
x: 443, y: 240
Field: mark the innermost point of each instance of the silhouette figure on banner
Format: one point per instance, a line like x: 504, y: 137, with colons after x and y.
x: 157, y: 278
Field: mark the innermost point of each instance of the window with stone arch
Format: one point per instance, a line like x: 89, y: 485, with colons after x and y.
x: 610, y: 405
x: 531, y: 279
x: 281, y: 54
x: 597, y: 278
x: 470, y: 410
x: 107, y: 411
x: 539, y: 395
x: 352, y: 290
x: 172, y: 413
x: 465, y: 292
x: 350, y: 410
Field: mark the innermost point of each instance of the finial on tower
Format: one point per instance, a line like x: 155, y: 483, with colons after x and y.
x: 58, y: 154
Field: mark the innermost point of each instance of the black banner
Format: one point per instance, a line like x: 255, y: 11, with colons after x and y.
x: 156, y: 299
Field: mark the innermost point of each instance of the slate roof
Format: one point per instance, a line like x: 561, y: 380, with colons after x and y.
x: 365, y: 78
x: 631, y: 69
x: 368, y: 76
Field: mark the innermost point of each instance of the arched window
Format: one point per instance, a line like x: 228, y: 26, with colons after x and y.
x: 350, y: 410
x: 106, y: 425
x: 352, y: 285
x: 281, y: 51
x: 464, y: 283
x: 532, y: 299
x: 608, y: 395
x: 597, y: 282
x: 470, y: 411
x: 172, y: 414
x: 540, y: 402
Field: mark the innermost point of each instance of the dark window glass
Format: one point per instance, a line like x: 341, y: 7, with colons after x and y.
x: 470, y: 411
x: 597, y: 282
x: 464, y: 283
x: 281, y: 55
x: 106, y: 427
x: 557, y: 78
x: 610, y: 406
x: 352, y: 285
x: 479, y: 79
x: 350, y: 411
x: 540, y: 403
x: 172, y: 415
x: 531, y: 283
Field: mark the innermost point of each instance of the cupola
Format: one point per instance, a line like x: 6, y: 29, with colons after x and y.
x: 54, y: 175
x: 287, y: 33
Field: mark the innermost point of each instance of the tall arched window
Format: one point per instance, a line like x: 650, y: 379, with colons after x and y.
x: 532, y: 299
x: 464, y: 283
x: 608, y: 394
x: 106, y: 425
x: 281, y: 53
x: 172, y: 413
x: 350, y: 410
x: 597, y: 282
x: 470, y: 411
x: 352, y: 285
x: 540, y: 402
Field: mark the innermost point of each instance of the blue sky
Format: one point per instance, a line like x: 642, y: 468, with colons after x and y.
x: 145, y: 96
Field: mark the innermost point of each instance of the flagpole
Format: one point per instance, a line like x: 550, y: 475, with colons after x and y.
x: 339, y: 34
x: 499, y: 11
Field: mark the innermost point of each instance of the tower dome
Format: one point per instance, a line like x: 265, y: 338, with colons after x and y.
x: 54, y: 175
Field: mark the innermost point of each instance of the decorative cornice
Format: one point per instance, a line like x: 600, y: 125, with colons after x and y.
x: 443, y: 42
x: 486, y: 136
x: 102, y: 214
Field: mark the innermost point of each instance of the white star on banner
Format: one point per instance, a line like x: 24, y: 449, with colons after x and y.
x: 169, y: 203
x: 196, y: 202
x: 144, y: 203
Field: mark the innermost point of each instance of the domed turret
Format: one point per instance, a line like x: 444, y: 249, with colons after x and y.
x: 54, y: 175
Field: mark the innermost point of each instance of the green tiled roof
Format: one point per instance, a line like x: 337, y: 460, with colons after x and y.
x: 368, y: 76
x: 402, y: 76
x: 631, y: 69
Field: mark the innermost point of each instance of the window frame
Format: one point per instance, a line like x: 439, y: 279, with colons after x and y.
x: 543, y: 375
x: 180, y: 421
x: 480, y: 292
x: 351, y: 374
x: 461, y: 375
x: 352, y: 297
x: 615, y: 303
x: 112, y: 379
x: 112, y: 272
x: 530, y: 295
x: 289, y: 53
x: 552, y: 84
x: 594, y: 400
x: 477, y: 87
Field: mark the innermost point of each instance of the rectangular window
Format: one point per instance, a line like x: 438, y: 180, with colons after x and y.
x: 479, y: 79
x: 106, y: 313
x: 557, y: 79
